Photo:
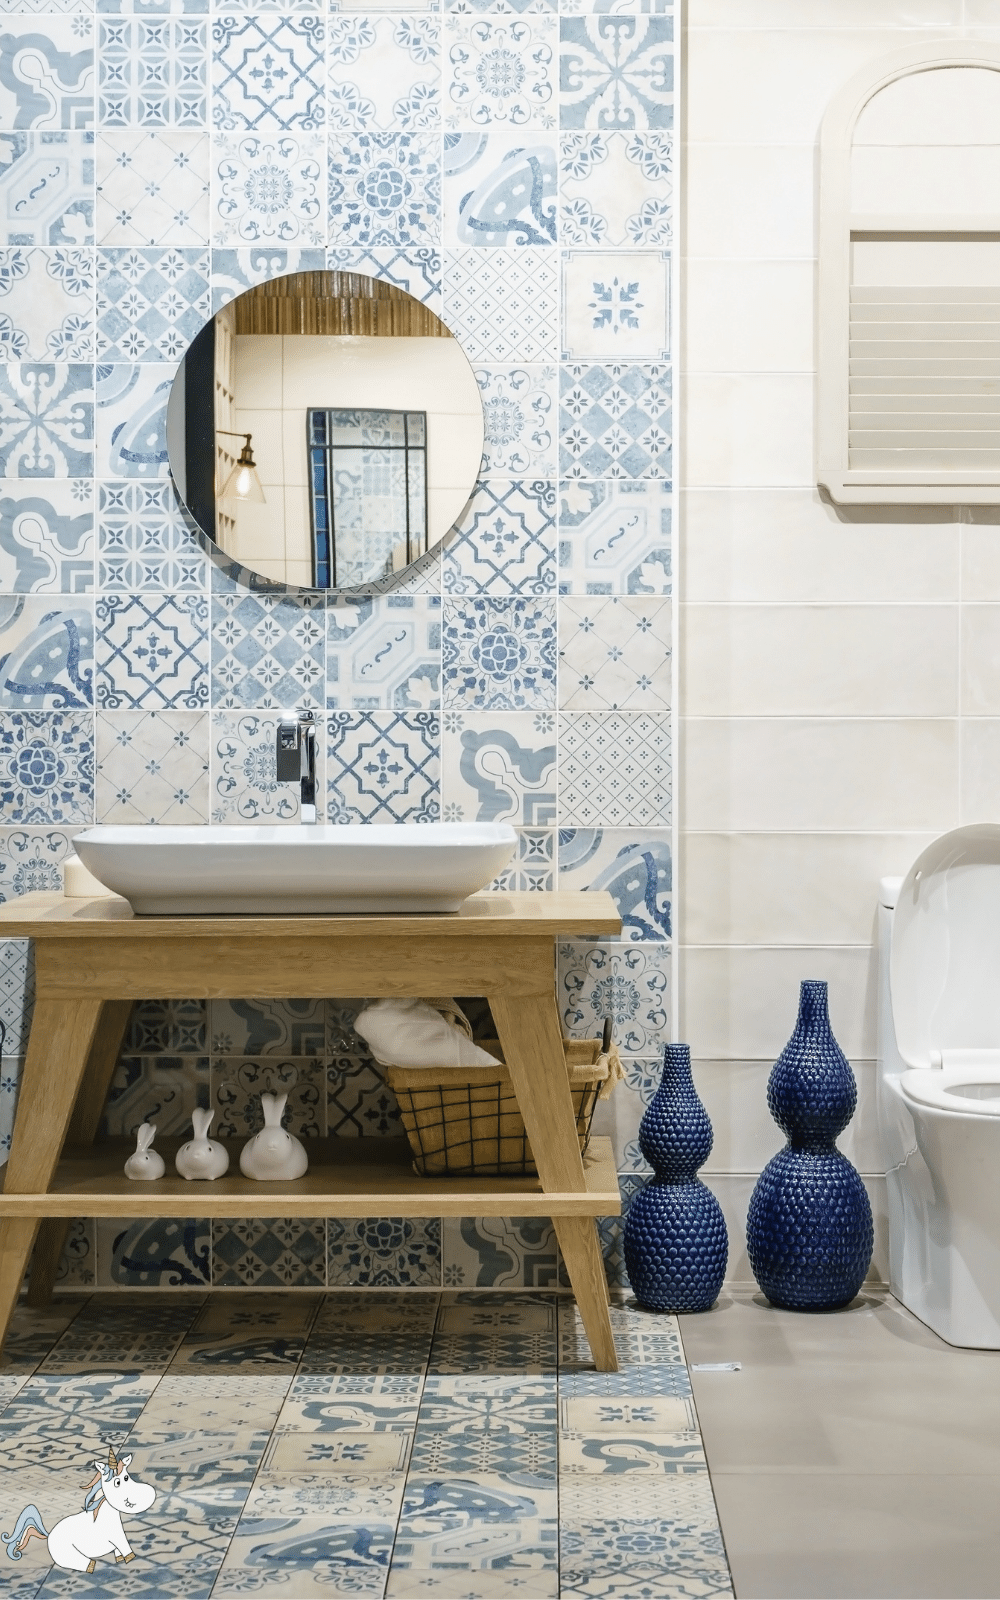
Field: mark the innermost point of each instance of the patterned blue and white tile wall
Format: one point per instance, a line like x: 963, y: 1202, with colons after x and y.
x: 510, y: 164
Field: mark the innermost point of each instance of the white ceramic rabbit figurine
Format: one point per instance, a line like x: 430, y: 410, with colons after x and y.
x: 201, y: 1157
x: 273, y: 1153
x: 145, y: 1162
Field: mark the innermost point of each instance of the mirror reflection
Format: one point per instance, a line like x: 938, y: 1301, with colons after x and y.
x: 325, y: 430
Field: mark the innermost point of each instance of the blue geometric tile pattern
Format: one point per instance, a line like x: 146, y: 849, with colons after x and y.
x: 46, y: 420
x: 46, y: 304
x: 615, y: 421
x: 268, y: 74
x: 382, y: 767
x: 152, y: 651
x: 150, y: 303
x: 383, y: 653
x: 41, y: 209
x: 267, y: 650
x: 614, y: 538
x: 153, y: 74
x: 616, y: 72
x: 504, y: 541
x: 143, y: 543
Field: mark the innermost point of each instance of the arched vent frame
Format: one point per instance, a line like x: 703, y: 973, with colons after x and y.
x: 838, y: 227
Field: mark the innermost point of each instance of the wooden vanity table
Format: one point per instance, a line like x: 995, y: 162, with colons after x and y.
x: 94, y: 958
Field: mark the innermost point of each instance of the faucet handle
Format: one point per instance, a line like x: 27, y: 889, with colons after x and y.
x: 287, y: 750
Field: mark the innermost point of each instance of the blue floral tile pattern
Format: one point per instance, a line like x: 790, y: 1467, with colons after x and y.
x: 152, y: 766
x: 389, y: 1251
x: 499, y: 766
x: 499, y: 655
x: 615, y: 538
x: 237, y: 1085
x: 47, y: 537
x: 31, y: 860
x: 385, y: 189
x: 614, y: 653
x: 500, y: 189
x: 615, y: 421
x: 615, y: 769
x: 245, y: 785
x: 359, y: 1103
x: 500, y: 70
x: 616, y: 306
x: 383, y: 653
x: 150, y: 303
x: 385, y: 72
x: 57, y: 52
x: 615, y: 189
x: 269, y: 189
x: 170, y: 1026
x: 503, y: 304
x: 267, y: 650
x: 153, y: 73
x: 633, y: 866
x: 46, y: 767
x: 152, y: 651
x: 519, y: 410
x: 517, y: 6
x: 47, y: 188
x: 505, y: 541
x: 268, y: 73
x: 616, y: 73
x: 46, y: 304
x: 233, y: 271
x: 152, y: 188
x: 46, y: 654
x: 46, y: 420
x: 382, y: 767
x: 630, y: 983
x: 269, y: 1251
x: 143, y: 543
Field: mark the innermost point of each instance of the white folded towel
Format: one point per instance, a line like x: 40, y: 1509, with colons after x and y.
x: 410, y: 1033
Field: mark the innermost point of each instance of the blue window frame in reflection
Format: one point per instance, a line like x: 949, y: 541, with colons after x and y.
x: 368, y: 493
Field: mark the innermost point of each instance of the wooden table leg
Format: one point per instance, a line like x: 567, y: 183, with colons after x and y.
x: 529, y: 1031
x: 83, y: 1125
x: 62, y: 1032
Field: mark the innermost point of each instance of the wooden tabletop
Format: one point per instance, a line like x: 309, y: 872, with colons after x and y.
x: 57, y: 916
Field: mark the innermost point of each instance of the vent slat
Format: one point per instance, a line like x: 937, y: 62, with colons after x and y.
x: 926, y: 460
x: 962, y: 294
x: 964, y: 409
x: 916, y: 348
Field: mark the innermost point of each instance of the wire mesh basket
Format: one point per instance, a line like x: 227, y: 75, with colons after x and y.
x: 466, y: 1120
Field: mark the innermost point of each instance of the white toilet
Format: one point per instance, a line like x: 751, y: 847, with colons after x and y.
x: 939, y: 1083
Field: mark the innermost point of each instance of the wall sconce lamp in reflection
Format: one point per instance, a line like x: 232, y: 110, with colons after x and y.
x: 243, y: 483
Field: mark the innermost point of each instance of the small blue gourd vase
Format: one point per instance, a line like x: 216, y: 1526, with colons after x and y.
x: 676, y: 1246
x: 809, y: 1227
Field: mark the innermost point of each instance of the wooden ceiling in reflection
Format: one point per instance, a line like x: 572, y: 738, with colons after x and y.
x: 335, y: 302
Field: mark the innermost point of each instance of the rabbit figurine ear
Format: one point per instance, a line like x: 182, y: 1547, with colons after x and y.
x: 201, y: 1121
x: 273, y: 1107
x: 145, y: 1134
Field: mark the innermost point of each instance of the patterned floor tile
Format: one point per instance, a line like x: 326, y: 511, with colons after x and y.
x: 322, y: 1412
x: 46, y: 304
x: 255, y: 1332
x: 439, y: 1583
x: 503, y: 304
x: 615, y: 769
x: 143, y: 542
x: 328, y: 1556
x: 383, y: 767
x: 384, y: 1251
x: 632, y: 865
x: 150, y: 303
x: 338, y: 1451
x: 383, y: 653
x: 486, y: 1426
x: 269, y: 1251
x: 616, y: 72
x: 152, y: 766
x: 152, y: 188
x: 47, y: 427
x: 268, y: 651
x: 504, y: 542
x: 477, y: 1523
x: 385, y: 72
x: 374, y: 1497
x: 502, y: 72
x: 152, y: 652
x: 153, y: 73
x: 499, y: 767
x: 46, y: 768
x: 615, y: 189
x: 46, y: 653
x: 320, y: 1388
x: 614, y: 538
x: 110, y: 1333
x: 47, y: 537
x: 54, y: 213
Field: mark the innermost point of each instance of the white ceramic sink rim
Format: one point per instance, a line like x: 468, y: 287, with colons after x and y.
x: 266, y: 869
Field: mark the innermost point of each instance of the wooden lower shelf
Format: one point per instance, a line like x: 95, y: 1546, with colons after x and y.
x: 343, y: 1181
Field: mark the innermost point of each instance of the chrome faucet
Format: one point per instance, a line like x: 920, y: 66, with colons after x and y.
x: 295, y: 758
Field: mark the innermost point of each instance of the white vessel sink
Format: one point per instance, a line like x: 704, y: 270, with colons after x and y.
x: 322, y: 868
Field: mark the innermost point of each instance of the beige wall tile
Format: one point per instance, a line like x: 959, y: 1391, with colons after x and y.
x: 756, y: 200
x: 981, y: 770
x: 748, y: 429
x: 854, y: 14
x: 981, y: 660
x: 786, y: 888
x: 749, y: 316
x: 734, y: 1093
x: 820, y: 660
x: 789, y: 774
x: 740, y: 1004
x: 783, y: 545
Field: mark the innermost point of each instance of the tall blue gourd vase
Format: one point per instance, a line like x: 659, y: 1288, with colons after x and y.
x: 809, y: 1228
x: 676, y: 1244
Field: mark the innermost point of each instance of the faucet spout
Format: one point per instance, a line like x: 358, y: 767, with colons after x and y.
x: 295, y: 758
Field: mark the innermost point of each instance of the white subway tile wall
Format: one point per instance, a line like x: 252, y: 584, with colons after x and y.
x: 201, y: 148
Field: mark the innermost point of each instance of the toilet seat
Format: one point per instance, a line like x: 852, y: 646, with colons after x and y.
x: 941, y: 1088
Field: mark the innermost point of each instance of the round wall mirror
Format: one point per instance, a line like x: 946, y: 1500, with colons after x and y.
x: 325, y: 430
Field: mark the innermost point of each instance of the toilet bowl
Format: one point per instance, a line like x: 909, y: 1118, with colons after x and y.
x: 939, y: 1083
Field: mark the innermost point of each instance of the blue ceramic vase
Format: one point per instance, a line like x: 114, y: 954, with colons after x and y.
x: 676, y: 1245
x: 809, y: 1228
